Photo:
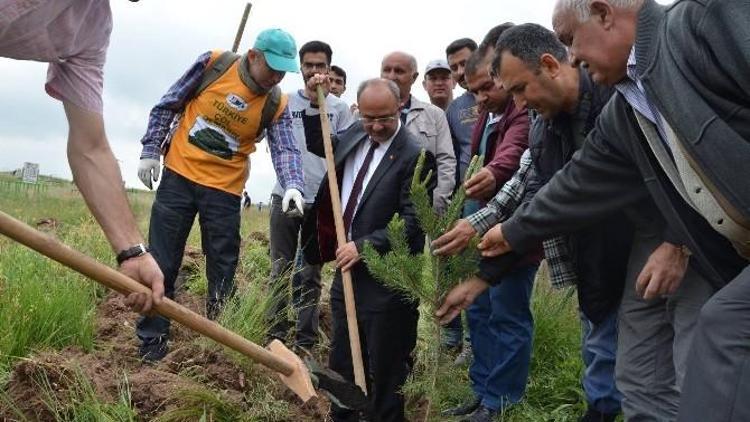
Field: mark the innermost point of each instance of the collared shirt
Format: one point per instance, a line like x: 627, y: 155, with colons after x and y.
x: 405, y: 110
x: 472, y: 205
x: 286, y: 161
x: 632, y: 89
x: 354, y: 162
x: 462, y: 115
x: 561, y: 269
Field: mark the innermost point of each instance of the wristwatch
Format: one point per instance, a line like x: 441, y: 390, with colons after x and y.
x: 136, y: 251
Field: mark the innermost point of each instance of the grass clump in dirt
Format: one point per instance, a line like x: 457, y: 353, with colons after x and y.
x: 42, y: 305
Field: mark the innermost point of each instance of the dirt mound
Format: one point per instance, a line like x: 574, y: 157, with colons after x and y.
x: 191, y: 364
x: 64, y: 376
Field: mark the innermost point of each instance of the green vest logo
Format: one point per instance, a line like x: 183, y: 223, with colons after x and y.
x: 212, y: 140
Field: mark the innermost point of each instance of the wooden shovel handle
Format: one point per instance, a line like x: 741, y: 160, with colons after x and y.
x: 241, y: 28
x: 54, y: 249
x: 346, y: 276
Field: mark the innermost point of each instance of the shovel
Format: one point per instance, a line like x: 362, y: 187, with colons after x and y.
x: 277, y: 357
x: 346, y: 276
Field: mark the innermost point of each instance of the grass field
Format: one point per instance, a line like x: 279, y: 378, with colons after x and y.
x: 68, y: 349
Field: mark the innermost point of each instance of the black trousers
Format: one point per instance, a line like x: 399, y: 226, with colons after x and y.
x: 387, y: 339
x: 177, y: 202
x: 306, y: 287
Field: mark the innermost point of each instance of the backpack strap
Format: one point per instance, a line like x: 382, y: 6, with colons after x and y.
x: 270, y: 107
x: 217, y: 68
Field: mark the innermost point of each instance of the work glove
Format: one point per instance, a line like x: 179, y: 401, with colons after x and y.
x: 292, y: 197
x: 148, y: 169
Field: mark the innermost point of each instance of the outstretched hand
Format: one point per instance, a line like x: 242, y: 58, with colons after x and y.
x: 481, y: 185
x: 454, y: 240
x: 459, y: 298
x: 493, y: 242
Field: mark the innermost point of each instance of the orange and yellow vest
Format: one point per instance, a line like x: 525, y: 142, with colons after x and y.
x: 217, y: 132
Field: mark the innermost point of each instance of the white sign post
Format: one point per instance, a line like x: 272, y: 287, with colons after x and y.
x: 30, y: 172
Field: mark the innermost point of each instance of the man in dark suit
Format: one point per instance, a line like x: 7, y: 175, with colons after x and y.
x: 375, y: 160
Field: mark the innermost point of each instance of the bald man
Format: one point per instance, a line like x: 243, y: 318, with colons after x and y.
x: 425, y: 121
x: 375, y: 160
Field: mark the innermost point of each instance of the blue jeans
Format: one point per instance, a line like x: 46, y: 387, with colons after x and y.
x: 502, y: 328
x: 599, y: 347
x: 177, y: 202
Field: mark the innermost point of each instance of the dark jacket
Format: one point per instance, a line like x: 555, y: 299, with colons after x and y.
x: 599, y: 252
x: 387, y: 193
x: 505, y: 144
x: 701, y: 98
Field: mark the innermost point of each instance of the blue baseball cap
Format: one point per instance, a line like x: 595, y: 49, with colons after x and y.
x: 279, y: 49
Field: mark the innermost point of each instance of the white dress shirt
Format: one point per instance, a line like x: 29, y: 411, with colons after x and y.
x: 354, y: 162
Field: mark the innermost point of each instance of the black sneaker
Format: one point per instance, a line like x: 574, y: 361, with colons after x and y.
x: 593, y: 415
x: 463, y: 409
x: 153, y: 351
x: 482, y: 414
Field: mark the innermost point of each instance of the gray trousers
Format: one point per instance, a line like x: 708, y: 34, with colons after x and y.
x: 717, y: 384
x: 654, y: 338
x: 305, y: 281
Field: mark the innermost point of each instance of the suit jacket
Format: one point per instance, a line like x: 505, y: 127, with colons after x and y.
x: 387, y: 193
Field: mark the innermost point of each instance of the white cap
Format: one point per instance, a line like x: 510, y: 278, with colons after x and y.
x: 437, y: 64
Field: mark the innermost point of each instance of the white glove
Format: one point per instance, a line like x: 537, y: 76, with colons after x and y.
x: 296, y: 196
x: 148, y: 169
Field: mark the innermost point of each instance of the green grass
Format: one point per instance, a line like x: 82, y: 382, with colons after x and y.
x: 554, y: 391
x: 43, y: 305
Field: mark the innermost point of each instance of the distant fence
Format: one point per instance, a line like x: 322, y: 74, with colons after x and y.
x: 17, y: 187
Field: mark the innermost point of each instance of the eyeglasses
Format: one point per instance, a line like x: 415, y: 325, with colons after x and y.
x: 369, y: 121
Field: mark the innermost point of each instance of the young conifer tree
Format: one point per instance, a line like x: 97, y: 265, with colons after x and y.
x: 427, y: 284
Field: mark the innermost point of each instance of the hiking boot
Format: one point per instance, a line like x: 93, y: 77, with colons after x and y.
x: 152, y: 352
x: 462, y: 409
x: 465, y: 357
x: 482, y: 414
x: 593, y: 415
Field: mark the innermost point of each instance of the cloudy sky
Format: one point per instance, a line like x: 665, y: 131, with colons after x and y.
x: 154, y: 41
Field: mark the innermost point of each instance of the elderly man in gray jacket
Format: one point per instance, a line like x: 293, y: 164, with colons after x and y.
x: 679, y: 131
x: 426, y: 122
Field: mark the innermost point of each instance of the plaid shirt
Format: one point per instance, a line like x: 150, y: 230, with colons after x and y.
x: 562, y: 271
x: 284, y: 153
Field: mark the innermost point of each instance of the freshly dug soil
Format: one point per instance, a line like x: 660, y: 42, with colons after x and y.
x: 192, y: 363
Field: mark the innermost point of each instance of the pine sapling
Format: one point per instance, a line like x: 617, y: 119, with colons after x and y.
x: 398, y: 269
